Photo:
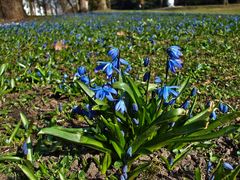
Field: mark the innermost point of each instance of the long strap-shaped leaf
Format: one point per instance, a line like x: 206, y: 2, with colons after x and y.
x: 219, y: 122
x: 162, y: 139
x: 125, y: 87
x: 77, y: 137
x: 224, y: 131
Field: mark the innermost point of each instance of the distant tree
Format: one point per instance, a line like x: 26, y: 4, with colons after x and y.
x: 109, y: 4
x: 31, y: 7
x: 12, y: 9
x: 83, y: 5
x: 225, y: 2
x: 141, y: 4
x: 102, y: 5
x: 63, y: 4
x: 1, y: 14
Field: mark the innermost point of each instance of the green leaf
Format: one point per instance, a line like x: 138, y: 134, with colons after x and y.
x: 106, y: 163
x: 100, y: 107
x: 125, y: 87
x: 197, y: 173
x: 233, y: 175
x: 200, y: 116
x: 12, y: 83
x: 133, y: 174
x: 28, y: 172
x: 10, y: 158
x: 223, y: 131
x: 183, y: 85
x: 117, y: 148
x: 14, y: 132
x: 180, y: 157
x: 137, y: 93
x: 162, y: 139
x: 3, y: 68
x: 165, y: 160
x: 141, y: 138
x: 24, y: 120
x: 170, y: 116
x: 222, y: 120
x: 29, y: 149
x: 77, y: 137
x: 61, y: 176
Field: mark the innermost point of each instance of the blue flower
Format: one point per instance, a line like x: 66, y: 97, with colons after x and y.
x: 194, y: 91
x: 81, y: 71
x: 76, y: 110
x: 60, y: 108
x: 186, y: 104
x: 105, y: 91
x: 136, y: 121
x: 124, y: 169
x: 227, y: 166
x: 117, y: 62
x: 166, y: 91
x: 87, y: 111
x: 146, y: 61
x: 113, y: 53
x: 85, y: 79
x: 129, y: 151
x: 172, y: 64
x: 24, y: 148
x: 223, y: 108
x: 146, y: 76
x: 174, y: 52
x: 213, y: 115
x: 157, y: 80
x: 174, y: 61
x: 135, y: 107
x: 120, y: 106
x: 209, y: 166
x: 106, y: 67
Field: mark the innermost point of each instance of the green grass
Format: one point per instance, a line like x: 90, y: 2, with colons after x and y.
x: 207, y: 9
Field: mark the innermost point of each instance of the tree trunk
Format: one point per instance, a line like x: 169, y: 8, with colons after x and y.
x: 161, y: 3
x: 63, y: 4
x: 225, y: 2
x: 1, y: 14
x: 109, y: 4
x: 102, y: 5
x: 31, y: 7
x: 44, y: 5
x: 73, y: 8
x: 83, y: 4
x: 12, y: 9
x: 141, y: 4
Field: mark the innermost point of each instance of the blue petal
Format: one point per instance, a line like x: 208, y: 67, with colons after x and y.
x: 113, y: 53
x: 81, y: 70
x: 227, y: 166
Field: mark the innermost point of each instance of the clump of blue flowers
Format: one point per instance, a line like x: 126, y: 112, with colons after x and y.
x: 129, y: 117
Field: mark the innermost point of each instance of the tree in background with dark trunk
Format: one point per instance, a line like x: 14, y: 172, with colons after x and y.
x: 102, y: 5
x: 12, y: 9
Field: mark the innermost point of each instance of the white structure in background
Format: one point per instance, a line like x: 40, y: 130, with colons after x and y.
x: 38, y: 9
x: 170, y: 3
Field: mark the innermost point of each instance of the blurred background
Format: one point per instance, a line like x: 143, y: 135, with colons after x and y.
x: 19, y: 9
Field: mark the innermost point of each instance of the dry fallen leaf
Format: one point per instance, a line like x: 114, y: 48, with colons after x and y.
x: 121, y: 33
x: 59, y: 45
